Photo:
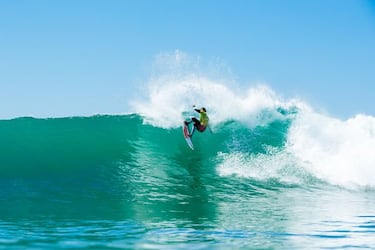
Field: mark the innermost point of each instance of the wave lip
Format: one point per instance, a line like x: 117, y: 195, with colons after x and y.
x: 169, y: 101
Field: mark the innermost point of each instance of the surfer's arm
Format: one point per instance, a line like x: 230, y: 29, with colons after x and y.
x: 196, y: 110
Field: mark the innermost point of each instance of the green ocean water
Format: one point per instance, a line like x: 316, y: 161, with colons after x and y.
x: 119, y: 182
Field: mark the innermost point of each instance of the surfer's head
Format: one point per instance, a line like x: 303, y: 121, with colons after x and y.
x: 203, y: 109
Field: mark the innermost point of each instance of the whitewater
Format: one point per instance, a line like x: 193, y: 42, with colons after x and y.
x: 274, y: 174
x: 338, y: 152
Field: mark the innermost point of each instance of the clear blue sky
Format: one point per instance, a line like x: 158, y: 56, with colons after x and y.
x: 82, y: 57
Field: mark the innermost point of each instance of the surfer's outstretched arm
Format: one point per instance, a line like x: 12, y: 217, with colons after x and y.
x: 196, y: 110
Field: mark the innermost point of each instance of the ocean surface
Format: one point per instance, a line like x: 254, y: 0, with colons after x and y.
x: 279, y: 176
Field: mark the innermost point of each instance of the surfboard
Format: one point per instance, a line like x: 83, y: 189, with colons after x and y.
x: 185, y: 132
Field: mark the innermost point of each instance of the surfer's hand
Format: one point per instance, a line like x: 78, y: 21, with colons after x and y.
x: 193, y: 105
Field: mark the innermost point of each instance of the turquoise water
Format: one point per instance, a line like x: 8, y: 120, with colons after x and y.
x: 120, y: 182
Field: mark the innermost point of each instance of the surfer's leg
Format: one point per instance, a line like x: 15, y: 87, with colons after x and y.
x: 196, y: 125
x: 195, y: 120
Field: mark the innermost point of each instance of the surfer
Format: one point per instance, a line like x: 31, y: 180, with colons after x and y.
x: 200, y: 124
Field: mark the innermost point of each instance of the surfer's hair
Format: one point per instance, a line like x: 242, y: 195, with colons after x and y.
x: 204, y: 109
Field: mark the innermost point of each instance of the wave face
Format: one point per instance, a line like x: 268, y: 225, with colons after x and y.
x: 257, y: 137
x: 82, y: 145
